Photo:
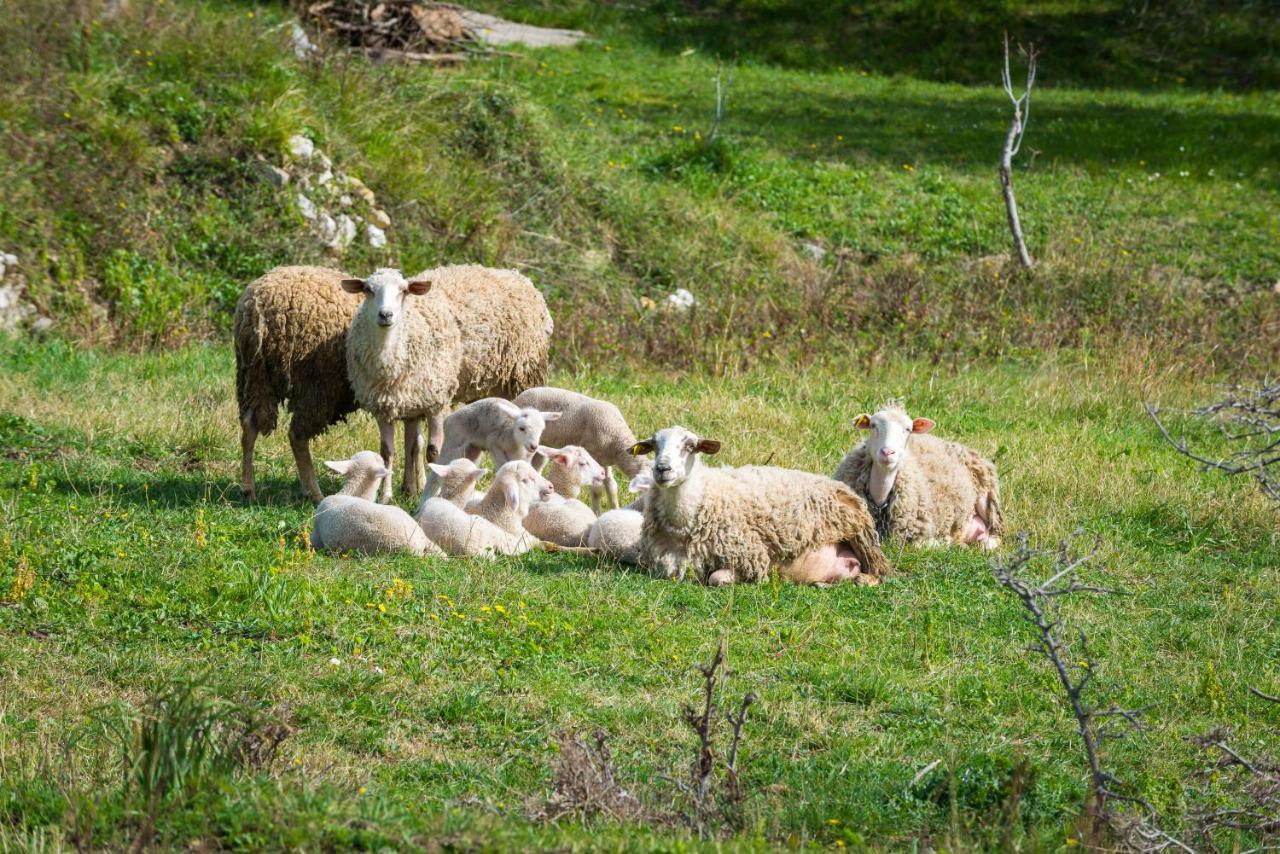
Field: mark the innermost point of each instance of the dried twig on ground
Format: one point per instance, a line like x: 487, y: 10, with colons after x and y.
x: 409, y: 29
x: 1012, y: 143
x: 586, y: 783
x: 1248, y: 418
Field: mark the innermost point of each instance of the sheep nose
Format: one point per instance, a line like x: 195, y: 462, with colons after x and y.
x: 385, y: 317
x: 662, y: 468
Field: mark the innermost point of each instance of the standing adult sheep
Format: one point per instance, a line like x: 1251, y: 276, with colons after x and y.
x: 290, y: 344
x: 452, y: 334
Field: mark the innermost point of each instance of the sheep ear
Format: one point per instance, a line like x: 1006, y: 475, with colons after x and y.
x: 512, y: 494
x: 438, y: 469
x: 862, y: 422
x: 418, y: 287
x: 384, y: 472
x: 922, y: 425
x: 510, y: 408
x: 353, y: 286
x: 340, y: 466
x: 477, y: 474
x: 639, y: 449
x: 551, y: 416
x: 708, y: 446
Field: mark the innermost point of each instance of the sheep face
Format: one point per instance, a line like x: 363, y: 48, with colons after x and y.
x: 575, y: 458
x: 368, y: 463
x: 675, y: 454
x: 521, y: 486
x: 527, y: 424
x: 890, y: 430
x: 385, y: 292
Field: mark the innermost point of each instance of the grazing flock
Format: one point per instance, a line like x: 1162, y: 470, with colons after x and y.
x: 463, y: 349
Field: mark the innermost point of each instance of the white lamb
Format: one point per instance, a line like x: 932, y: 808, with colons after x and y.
x: 563, y: 519
x: 351, y: 521
x: 596, y: 425
x: 617, y: 532
x: 458, y: 480
x: 497, y: 529
x: 508, y: 432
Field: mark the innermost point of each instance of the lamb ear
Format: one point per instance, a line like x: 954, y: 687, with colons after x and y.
x: 438, y: 469
x: 340, y: 466
x: 512, y: 493
x: 862, y: 422
x: 510, y: 408
x: 384, y: 472
x: 352, y: 286
x: 639, y: 449
x: 708, y: 446
x: 418, y: 287
x: 551, y: 416
x: 477, y: 474
x: 922, y: 425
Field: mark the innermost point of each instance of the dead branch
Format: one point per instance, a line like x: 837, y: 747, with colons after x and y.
x: 585, y: 783
x: 1012, y: 144
x: 722, y: 96
x: 1249, y: 419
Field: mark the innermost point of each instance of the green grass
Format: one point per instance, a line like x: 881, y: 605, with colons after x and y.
x: 156, y: 616
x: 119, y: 496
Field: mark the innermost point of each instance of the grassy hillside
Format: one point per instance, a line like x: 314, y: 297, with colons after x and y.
x: 132, y: 198
x: 180, y: 670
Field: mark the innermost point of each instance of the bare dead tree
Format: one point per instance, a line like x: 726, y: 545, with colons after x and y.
x: 722, y: 96
x: 1012, y: 144
x: 1249, y: 419
x: 1094, y: 725
x: 1254, y: 811
x: 585, y: 783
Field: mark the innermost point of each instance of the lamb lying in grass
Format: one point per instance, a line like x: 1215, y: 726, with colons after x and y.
x: 497, y: 528
x: 922, y: 489
x: 617, y: 532
x: 563, y: 519
x: 351, y: 521
x: 458, y: 480
x: 735, y: 525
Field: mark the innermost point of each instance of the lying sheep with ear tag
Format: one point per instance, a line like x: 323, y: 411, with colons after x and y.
x: 352, y: 521
x: 736, y: 525
x: 920, y: 488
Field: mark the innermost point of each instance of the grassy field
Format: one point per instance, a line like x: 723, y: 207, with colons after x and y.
x: 417, y: 703
x: 438, y: 718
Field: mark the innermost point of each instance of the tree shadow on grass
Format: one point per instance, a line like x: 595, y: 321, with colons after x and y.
x: 161, y: 490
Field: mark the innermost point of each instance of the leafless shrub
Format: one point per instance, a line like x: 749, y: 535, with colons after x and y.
x: 1249, y: 419
x: 586, y: 783
x: 714, y: 789
x: 1012, y: 143
x: 1094, y: 725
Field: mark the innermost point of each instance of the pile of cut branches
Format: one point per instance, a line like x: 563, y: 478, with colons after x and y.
x: 405, y: 29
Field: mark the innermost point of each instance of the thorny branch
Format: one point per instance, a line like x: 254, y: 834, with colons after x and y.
x: 1249, y: 418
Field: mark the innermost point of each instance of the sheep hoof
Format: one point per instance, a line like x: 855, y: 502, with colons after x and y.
x: 990, y: 544
x: 865, y: 580
x: 720, y: 578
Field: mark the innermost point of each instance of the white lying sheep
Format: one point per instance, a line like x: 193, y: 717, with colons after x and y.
x: 508, y: 432
x: 617, y: 532
x: 733, y: 525
x: 458, y: 480
x: 563, y: 519
x: 450, y: 335
x: 351, y: 521
x: 920, y: 488
x: 497, y: 528
x: 596, y: 425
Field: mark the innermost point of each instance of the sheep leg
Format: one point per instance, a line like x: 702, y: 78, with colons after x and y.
x: 611, y: 489
x: 248, y: 437
x: 595, y: 497
x: 435, y: 436
x: 306, y: 470
x: 414, y: 468
x: 387, y: 447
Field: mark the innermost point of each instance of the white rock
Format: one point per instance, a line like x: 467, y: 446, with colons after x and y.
x: 273, y: 175
x: 324, y: 178
x: 325, y: 163
x: 380, y: 218
x: 345, y: 200
x: 302, y: 45
x: 301, y: 147
x: 346, y: 231
x: 816, y: 251
x: 377, y: 237
x: 327, y: 230
x: 306, y: 207
x: 681, y: 299
x: 42, y: 324
x: 7, y: 262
